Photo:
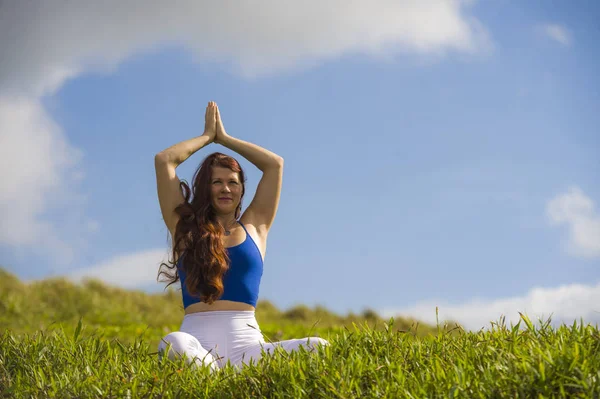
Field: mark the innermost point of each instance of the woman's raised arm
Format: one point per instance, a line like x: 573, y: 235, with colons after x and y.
x: 165, y: 163
x: 263, y: 208
x: 178, y: 153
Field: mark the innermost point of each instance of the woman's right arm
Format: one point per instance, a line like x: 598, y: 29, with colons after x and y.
x: 165, y: 162
x: 176, y: 154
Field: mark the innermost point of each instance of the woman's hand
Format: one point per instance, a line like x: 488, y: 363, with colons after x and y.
x: 210, y: 121
x: 221, y: 135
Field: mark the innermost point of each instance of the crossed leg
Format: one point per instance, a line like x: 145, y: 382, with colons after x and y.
x: 186, y: 345
x: 253, y: 352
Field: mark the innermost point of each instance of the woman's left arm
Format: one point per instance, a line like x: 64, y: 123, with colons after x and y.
x: 263, y: 208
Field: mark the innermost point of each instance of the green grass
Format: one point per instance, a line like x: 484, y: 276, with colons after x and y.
x: 78, y: 343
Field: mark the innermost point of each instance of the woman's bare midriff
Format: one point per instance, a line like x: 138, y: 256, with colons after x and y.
x: 217, y: 305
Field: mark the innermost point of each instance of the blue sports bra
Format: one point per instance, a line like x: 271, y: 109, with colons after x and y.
x: 241, y: 282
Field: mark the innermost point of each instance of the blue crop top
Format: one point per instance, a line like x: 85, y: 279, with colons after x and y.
x: 241, y: 282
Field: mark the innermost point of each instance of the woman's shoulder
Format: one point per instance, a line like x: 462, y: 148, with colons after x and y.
x: 260, y: 239
x: 249, y: 226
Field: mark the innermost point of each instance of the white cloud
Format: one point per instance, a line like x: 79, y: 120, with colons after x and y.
x: 577, y: 211
x: 556, y: 32
x: 564, y: 304
x: 42, y: 44
x: 129, y: 271
x: 39, y: 168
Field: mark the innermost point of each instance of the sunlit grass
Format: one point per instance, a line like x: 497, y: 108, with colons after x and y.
x: 531, y: 362
x: 61, y: 340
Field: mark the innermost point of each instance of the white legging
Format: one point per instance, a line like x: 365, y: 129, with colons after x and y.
x: 213, y: 338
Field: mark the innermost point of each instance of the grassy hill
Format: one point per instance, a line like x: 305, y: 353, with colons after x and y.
x: 125, y: 314
x: 59, y: 339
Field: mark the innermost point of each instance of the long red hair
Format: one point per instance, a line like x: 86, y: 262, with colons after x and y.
x: 199, y: 233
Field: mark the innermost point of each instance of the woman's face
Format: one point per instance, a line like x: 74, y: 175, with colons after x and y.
x: 226, y: 190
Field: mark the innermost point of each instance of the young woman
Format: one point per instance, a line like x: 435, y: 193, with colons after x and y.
x: 218, y: 256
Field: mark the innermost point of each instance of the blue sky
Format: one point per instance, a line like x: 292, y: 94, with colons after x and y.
x: 435, y: 155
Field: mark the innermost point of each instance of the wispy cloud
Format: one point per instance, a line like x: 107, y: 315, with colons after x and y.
x: 557, y: 33
x: 40, y: 168
x: 256, y: 38
x: 577, y: 212
x: 132, y: 270
x: 564, y: 304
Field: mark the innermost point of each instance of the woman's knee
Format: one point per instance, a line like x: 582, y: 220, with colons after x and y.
x: 180, y: 342
x: 315, y: 342
x: 184, y: 344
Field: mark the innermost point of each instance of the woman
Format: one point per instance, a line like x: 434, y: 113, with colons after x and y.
x: 217, y: 255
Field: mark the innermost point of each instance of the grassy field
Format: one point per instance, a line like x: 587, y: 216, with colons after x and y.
x: 65, y: 340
